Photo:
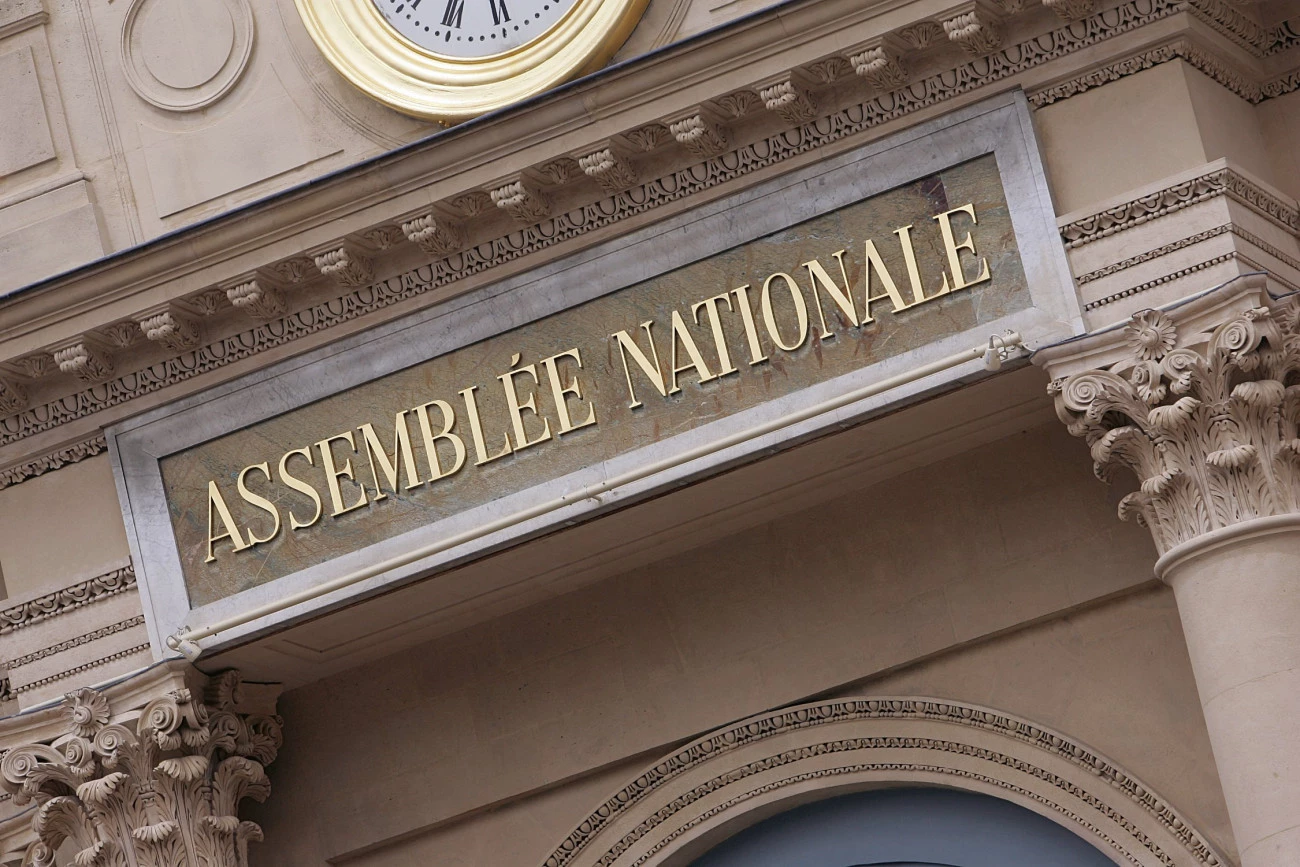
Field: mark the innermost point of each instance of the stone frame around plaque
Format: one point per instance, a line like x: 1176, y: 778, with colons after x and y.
x: 1000, y: 126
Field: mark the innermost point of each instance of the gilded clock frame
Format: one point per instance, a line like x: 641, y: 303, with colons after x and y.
x: 373, y: 56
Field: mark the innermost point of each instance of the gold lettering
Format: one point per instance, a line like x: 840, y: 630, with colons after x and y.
x: 756, y: 355
x: 431, y: 439
x: 476, y: 429
x: 259, y: 501
x: 517, y: 407
x: 710, y: 306
x: 873, y: 260
x: 223, y: 511
x: 682, y: 337
x: 560, y: 391
x: 301, y: 487
x: 842, y: 297
x: 800, y: 311
x: 333, y: 474
x: 652, y: 371
x: 959, y: 280
x: 379, y: 459
x: 913, y: 272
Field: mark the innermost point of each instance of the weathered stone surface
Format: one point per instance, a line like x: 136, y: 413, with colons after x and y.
x: 603, y: 381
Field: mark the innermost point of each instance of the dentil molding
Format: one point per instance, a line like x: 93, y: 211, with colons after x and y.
x: 157, y: 786
x: 1201, y: 403
x: 570, y: 196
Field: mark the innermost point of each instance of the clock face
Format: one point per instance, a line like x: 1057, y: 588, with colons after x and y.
x: 450, y: 60
x: 472, y: 28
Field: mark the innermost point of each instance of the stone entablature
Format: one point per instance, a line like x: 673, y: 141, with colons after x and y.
x: 646, y: 167
x: 130, y: 785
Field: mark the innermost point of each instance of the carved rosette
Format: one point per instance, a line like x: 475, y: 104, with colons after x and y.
x: 1208, y: 425
x: 163, y: 791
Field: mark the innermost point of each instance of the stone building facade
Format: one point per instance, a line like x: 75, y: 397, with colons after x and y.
x: 715, y: 529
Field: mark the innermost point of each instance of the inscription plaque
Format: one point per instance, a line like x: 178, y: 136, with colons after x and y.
x: 631, y: 353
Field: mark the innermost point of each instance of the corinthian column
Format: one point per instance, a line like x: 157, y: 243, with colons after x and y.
x: 157, y: 785
x: 1202, y: 403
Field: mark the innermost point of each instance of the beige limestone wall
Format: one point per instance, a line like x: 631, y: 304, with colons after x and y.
x: 1115, y: 675
x: 1280, y: 128
x: 59, y: 528
x: 1129, y: 133
x: 946, y: 555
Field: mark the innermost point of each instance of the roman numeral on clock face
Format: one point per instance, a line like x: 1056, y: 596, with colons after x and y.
x: 452, y: 15
x: 499, y: 11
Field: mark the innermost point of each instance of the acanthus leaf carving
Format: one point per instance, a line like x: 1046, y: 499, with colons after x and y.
x: 974, y: 26
x: 699, y: 132
x: 84, y: 359
x: 1071, y: 10
x: 1208, y: 422
x: 519, y: 198
x: 171, y: 328
x: 609, y: 167
x: 435, y: 233
x: 164, y: 789
x: 255, y: 295
x: 347, y: 265
x: 790, y: 98
x: 13, y: 397
x: 879, y: 62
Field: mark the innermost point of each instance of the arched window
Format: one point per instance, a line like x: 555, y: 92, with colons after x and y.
x: 906, y: 828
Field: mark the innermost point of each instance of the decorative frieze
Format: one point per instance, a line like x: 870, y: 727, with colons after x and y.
x: 1220, y: 182
x: 435, y: 233
x: 738, y: 103
x: 521, y: 200
x: 1199, y: 410
x: 255, y: 296
x: 828, y: 70
x: 122, y: 335
x: 346, y: 265
x: 61, y: 457
x: 922, y: 35
x: 68, y: 599
x: 171, y: 328
x: 159, y: 789
x: 1071, y: 10
x: 700, y: 132
x: 13, y: 397
x: 36, y: 365
x: 559, y: 172
x: 382, y: 237
x: 77, y: 641
x: 771, y: 149
x: 85, y: 360
x: 294, y: 270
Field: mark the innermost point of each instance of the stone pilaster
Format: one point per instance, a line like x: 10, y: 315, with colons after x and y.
x: 1202, y: 404
x: 157, y: 785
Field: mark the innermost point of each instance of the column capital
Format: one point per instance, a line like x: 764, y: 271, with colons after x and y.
x: 1200, y: 402
x: 158, y: 783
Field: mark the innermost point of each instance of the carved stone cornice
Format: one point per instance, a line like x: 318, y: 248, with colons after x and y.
x: 13, y: 397
x: 347, y: 265
x: 1217, y: 182
x: 845, y: 114
x: 60, y: 457
x: 170, y: 327
x: 1201, y: 403
x: 67, y: 599
x: 700, y: 131
x: 83, y: 358
x: 160, y: 787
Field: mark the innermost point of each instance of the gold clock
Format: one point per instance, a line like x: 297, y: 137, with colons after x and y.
x: 450, y: 60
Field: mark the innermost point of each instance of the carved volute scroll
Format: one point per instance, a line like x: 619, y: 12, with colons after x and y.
x: 158, y: 790
x: 1205, y: 417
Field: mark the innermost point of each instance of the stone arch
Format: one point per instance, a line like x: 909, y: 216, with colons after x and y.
x: 740, y: 774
